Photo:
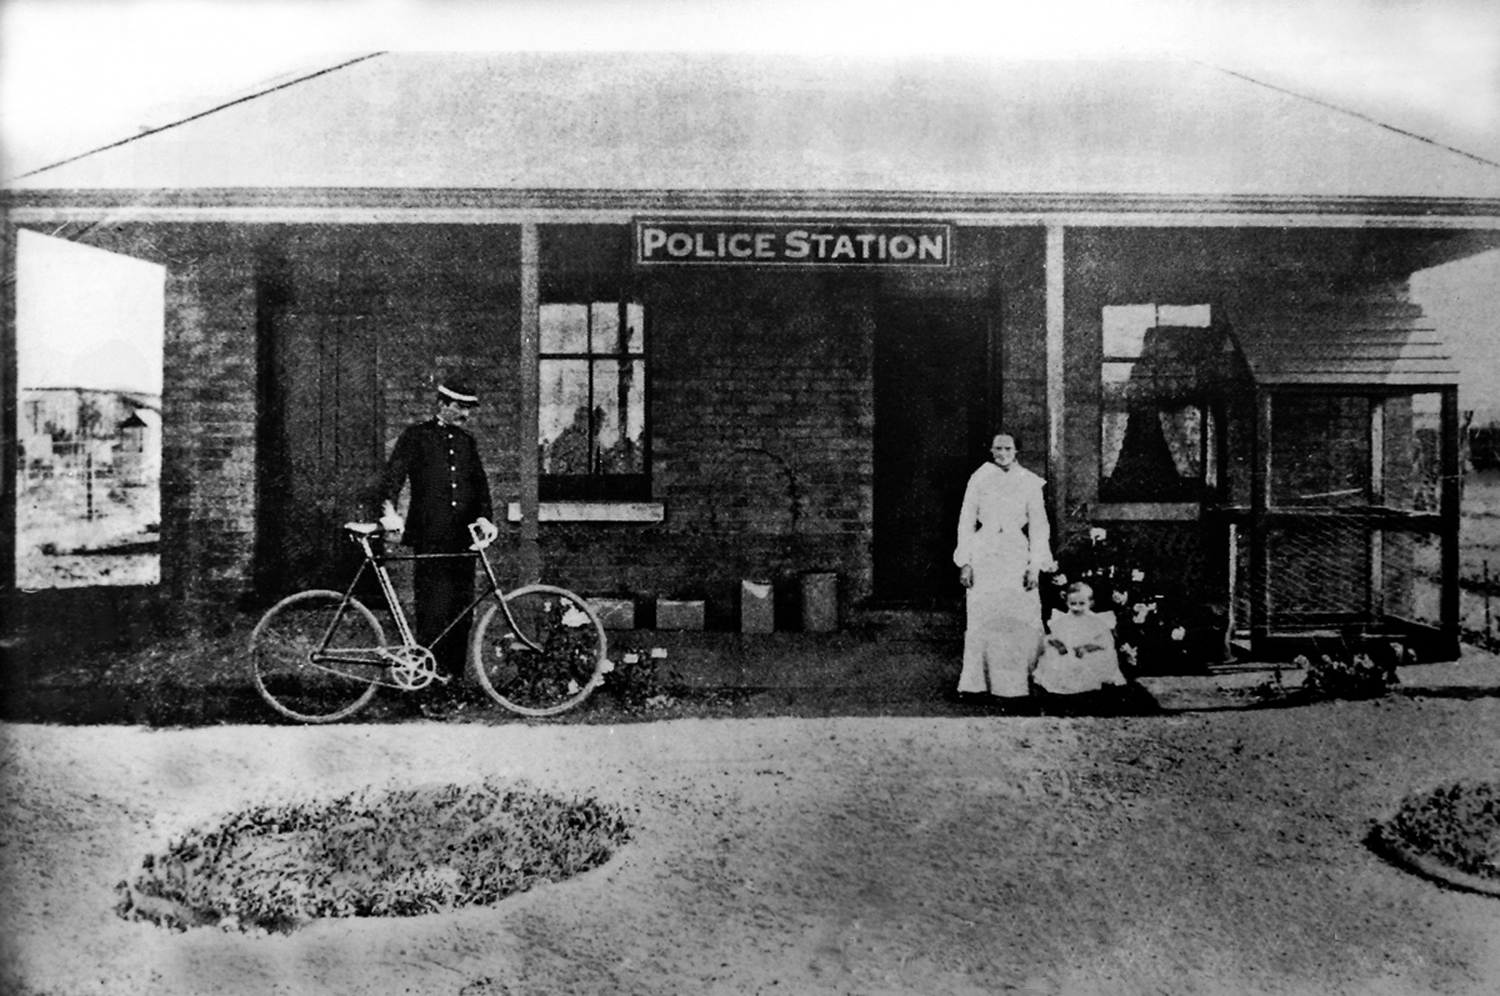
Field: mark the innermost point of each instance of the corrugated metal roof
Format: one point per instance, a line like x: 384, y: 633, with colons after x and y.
x: 698, y: 122
x: 1325, y: 355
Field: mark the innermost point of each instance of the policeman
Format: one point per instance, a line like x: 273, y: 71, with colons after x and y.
x: 449, y: 491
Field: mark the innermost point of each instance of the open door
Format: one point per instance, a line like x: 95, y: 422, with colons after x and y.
x: 87, y: 478
x: 931, y: 410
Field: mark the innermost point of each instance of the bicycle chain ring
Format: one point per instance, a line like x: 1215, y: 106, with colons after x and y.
x: 411, y: 667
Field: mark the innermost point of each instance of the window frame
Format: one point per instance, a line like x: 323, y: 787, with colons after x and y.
x: 1209, y: 480
x: 595, y: 485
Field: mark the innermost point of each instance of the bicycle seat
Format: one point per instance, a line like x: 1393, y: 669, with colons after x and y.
x: 363, y: 528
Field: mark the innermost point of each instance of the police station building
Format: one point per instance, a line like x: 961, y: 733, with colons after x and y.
x: 742, y: 317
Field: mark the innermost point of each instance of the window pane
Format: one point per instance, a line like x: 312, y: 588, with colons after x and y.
x: 1211, y: 450
x: 1150, y: 441
x: 1183, y: 431
x: 564, y: 416
x: 1195, y: 315
x: 1151, y: 454
x: 635, y: 328
x: 606, y: 323
x: 1114, y: 405
x: 1125, y: 328
x: 620, y: 407
x: 564, y: 328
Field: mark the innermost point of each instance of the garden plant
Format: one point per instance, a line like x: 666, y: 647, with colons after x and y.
x: 401, y: 853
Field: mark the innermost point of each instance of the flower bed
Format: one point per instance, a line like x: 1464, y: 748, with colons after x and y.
x: 1159, y: 628
x: 367, y: 854
x: 1451, y: 833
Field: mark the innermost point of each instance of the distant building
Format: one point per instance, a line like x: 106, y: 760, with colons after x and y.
x: 137, y: 455
x: 62, y: 429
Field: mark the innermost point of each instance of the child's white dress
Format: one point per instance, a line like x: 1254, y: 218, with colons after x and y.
x: 1065, y: 672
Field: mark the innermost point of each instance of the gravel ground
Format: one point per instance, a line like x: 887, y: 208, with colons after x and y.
x: 1199, y: 853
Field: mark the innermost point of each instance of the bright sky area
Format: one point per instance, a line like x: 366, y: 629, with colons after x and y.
x: 86, y: 317
x: 76, y: 75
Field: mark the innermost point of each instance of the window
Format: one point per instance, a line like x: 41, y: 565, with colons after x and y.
x: 592, y: 428
x: 1157, y: 431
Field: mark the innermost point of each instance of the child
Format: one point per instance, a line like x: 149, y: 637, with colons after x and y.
x: 1080, y: 653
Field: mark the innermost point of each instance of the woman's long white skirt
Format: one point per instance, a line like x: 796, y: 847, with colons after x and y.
x: 1003, y: 635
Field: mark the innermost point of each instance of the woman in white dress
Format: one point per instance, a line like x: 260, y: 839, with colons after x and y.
x: 1003, y: 546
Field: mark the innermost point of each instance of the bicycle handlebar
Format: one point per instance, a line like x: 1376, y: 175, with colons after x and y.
x: 367, y: 530
x: 481, y: 541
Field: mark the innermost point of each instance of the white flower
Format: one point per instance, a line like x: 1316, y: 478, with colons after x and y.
x: 1137, y: 576
x: 1179, y: 633
x: 1097, y: 535
x: 609, y: 665
x: 658, y: 653
x: 574, y: 687
x: 575, y: 617
x: 1060, y: 579
x: 632, y: 658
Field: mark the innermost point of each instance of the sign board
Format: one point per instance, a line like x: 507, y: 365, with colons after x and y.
x: 740, y: 242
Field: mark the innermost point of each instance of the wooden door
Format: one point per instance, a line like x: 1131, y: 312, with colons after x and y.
x: 323, y: 454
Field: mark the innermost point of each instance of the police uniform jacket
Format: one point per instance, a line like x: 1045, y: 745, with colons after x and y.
x: 449, y: 489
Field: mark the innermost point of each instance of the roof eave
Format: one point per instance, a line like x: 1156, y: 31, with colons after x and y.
x: 1470, y: 212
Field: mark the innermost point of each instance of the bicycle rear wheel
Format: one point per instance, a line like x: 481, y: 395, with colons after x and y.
x: 541, y: 653
x: 316, y: 659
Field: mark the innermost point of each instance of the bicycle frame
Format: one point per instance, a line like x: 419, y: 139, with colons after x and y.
x: 377, y: 562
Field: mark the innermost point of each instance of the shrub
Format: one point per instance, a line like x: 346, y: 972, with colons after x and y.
x: 1356, y: 669
x: 1158, y: 631
x: 399, y: 853
x: 1458, y: 825
x: 635, y: 681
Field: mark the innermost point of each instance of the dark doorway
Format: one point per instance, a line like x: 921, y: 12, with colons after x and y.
x: 321, y: 446
x: 932, y: 405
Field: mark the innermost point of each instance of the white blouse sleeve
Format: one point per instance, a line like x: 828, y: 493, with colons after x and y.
x: 968, y: 521
x: 1038, y: 530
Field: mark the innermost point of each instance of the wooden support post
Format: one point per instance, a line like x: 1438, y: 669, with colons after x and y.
x: 1448, y: 514
x: 1488, y: 619
x: 1260, y: 522
x: 530, y: 562
x: 9, y: 410
x: 1057, y: 465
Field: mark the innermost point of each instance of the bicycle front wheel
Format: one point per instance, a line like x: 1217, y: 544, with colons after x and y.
x: 316, y: 658
x: 539, y: 654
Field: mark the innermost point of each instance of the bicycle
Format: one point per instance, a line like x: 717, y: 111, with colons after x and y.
x: 320, y: 655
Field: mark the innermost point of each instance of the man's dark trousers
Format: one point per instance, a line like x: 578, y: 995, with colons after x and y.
x: 444, y: 586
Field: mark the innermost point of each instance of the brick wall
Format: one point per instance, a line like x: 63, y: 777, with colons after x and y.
x: 209, y: 408
x: 762, y: 421
x: 762, y: 407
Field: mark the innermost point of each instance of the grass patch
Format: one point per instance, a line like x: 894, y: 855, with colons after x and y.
x: 403, y: 853
x: 1456, y: 825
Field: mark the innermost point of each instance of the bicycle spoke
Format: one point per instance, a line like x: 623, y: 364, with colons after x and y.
x: 542, y: 653
x: 303, y: 682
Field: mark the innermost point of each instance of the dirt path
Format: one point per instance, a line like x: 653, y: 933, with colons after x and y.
x: 1208, y: 853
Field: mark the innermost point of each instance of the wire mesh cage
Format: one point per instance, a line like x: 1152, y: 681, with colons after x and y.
x: 1351, y: 532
